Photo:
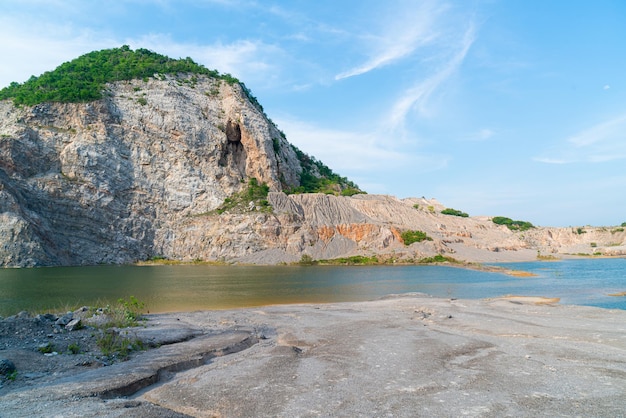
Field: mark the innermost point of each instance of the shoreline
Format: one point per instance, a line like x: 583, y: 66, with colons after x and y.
x: 396, y: 355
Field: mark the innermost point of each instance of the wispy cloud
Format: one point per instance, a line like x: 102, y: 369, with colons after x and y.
x: 603, y: 142
x: 419, y: 96
x: 249, y: 60
x: 352, y: 151
x: 482, y: 135
x: 404, y: 32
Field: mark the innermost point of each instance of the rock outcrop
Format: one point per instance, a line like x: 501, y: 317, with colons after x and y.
x: 140, y: 173
x: 106, y: 181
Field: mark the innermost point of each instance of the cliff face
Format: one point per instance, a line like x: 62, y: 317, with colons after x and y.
x: 140, y: 172
x: 108, y: 181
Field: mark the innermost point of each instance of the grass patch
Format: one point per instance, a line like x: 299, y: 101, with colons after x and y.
x: 111, y: 344
x: 126, y: 313
x: 438, y: 259
x: 253, y: 198
x: 46, y: 349
x: 355, y: 260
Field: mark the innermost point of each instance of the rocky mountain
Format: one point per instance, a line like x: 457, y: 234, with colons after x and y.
x: 187, y: 166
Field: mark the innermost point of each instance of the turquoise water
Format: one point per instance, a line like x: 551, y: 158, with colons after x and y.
x: 193, y: 287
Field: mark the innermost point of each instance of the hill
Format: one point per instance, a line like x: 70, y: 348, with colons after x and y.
x: 121, y: 156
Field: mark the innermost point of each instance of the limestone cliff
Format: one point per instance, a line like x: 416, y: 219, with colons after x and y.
x: 108, y: 181
x: 141, y: 172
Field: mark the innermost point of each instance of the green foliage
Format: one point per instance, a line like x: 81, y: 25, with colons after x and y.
x: 623, y: 224
x: 437, y: 259
x: 46, y: 349
x: 615, y: 230
x: 416, y: 206
x: 127, y: 313
x: 316, y: 177
x: 12, y: 376
x: 410, y: 236
x: 240, y: 202
x: 73, y: 348
x: 454, y: 212
x: 112, y: 344
x: 511, y: 224
x: 350, y: 192
x: 354, y: 260
x: 306, y: 260
x: 580, y: 231
x: 83, y: 79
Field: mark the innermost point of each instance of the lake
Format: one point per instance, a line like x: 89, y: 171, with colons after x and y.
x: 196, y: 287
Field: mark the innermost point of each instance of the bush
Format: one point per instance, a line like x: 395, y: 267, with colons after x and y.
x: 113, y: 344
x: 511, y: 224
x: 454, y: 212
x: 306, y: 260
x: 410, y: 236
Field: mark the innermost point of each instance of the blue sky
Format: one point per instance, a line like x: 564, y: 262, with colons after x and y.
x: 513, y: 107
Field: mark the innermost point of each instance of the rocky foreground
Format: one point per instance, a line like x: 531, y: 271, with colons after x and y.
x: 402, y: 356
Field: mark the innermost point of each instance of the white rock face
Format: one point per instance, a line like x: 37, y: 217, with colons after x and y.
x: 108, y: 181
x: 138, y: 174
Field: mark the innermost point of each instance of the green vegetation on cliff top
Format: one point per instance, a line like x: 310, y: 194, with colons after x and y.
x: 84, y: 78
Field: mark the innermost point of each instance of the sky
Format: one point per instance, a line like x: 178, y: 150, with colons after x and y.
x: 511, y: 108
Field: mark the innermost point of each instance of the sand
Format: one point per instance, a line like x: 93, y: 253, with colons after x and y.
x: 401, y: 356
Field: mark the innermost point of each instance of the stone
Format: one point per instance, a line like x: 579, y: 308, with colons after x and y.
x: 6, y: 367
x: 74, y: 325
x: 65, y: 319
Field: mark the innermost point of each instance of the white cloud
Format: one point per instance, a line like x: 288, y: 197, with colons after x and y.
x: 37, y: 47
x: 603, y: 142
x: 405, y: 31
x: 249, y: 60
x: 419, y: 95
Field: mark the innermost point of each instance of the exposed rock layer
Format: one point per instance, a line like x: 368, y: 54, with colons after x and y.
x: 138, y: 174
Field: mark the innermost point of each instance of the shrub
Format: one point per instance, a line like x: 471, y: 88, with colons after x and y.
x: 126, y: 313
x: 511, y: 224
x: 113, y: 344
x: 623, y: 224
x: 306, y: 260
x: 46, y: 348
x: 410, y: 236
x: 454, y: 212
x: 580, y: 231
x: 73, y: 348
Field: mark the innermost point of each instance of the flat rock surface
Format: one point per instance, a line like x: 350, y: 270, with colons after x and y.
x: 402, y: 356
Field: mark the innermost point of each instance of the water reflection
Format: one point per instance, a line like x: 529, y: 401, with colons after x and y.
x: 194, y: 287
